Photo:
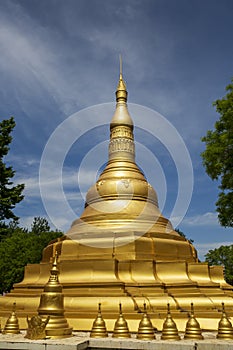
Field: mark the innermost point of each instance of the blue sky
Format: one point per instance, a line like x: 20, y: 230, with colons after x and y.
x: 60, y: 57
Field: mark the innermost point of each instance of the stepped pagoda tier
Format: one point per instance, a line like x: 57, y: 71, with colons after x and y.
x: 123, y: 250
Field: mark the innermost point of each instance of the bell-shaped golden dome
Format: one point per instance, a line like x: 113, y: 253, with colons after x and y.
x: 121, y: 180
x: 121, y: 329
x: 193, y: 329
x: 146, y: 331
x: 225, y: 329
x: 169, y: 331
x: 12, y: 323
x: 99, y: 327
x: 122, y: 206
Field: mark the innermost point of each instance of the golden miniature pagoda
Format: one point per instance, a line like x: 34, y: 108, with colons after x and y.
x: 12, y: 323
x: 146, y: 330
x: 169, y: 331
x: 225, y: 329
x: 51, y: 306
x: 99, y: 329
x: 193, y: 329
x: 122, y: 250
x: 121, y: 329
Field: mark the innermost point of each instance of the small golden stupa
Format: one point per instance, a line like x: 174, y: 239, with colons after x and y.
x: 12, y: 323
x: 146, y: 330
x: 169, y: 331
x: 99, y: 327
x: 51, y: 306
x: 122, y: 249
x: 193, y: 329
x: 121, y: 329
x: 225, y: 329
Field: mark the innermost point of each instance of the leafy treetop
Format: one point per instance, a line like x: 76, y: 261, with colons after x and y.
x: 218, y: 156
x: 9, y: 195
x: 222, y: 256
x: 20, y: 247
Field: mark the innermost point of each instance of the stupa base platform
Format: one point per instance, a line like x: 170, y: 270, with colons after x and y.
x: 130, y: 283
x: 82, y: 341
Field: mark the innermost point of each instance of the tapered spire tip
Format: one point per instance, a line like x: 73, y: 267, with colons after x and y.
x: 121, y: 93
x: 120, y: 59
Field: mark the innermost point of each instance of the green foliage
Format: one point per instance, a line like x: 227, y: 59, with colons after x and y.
x: 218, y: 156
x: 9, y: 195
x: 183, y: 235
x: 222, y: 256
x: 40, y: 225
x: 21, y: 247
x: 18, y: 246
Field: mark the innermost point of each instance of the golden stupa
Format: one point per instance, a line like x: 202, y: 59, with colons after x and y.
x: 122, y: 250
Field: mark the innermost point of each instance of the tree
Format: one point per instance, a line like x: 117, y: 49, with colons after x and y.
x: 218, y: 156
x: 9, y: 195
x: 222, y: 256
x: 183, y: 235
x: 22, y: 247
x: 40, y: 225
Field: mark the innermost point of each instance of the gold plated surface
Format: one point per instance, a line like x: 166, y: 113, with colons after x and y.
x: 12, y: 323
x: 169, y: 331
x: 146, y: 330
x: 51, y: 306
x: 99, y: 327
x: 121, y: 249
x: 193, y: 329
x: 225, y: 329
x: 121, y: 329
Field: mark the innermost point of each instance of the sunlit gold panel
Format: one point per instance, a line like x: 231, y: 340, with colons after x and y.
x: 173, y: 273
x: 217, y: 276
x: 31, y: 273
x: 200, y: 273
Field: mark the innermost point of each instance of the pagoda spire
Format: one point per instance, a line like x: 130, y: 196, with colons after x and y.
x: 121, y: 128
x: 121, y: 179
x: 121, y: 92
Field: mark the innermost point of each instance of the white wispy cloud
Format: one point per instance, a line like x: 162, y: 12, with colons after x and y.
x: 69, y: 181
x: 206, y: 219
